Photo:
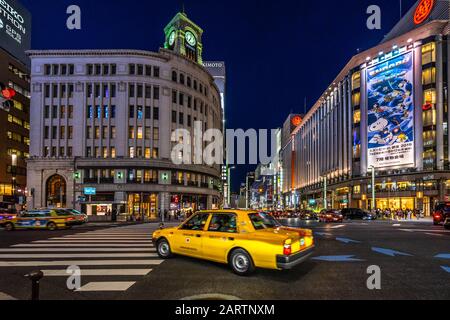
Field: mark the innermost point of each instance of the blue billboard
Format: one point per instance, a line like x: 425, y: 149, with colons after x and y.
x: 390, y: 94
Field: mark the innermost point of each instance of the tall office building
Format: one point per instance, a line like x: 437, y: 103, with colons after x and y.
x: 15, y: 31
x: 102, y: 122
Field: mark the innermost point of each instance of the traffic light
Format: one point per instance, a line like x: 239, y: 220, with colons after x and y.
x: 6, y: 96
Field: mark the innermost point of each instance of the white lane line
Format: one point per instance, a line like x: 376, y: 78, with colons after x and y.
x: 77, y: 255
x: 106, y: 286
x: 99, y: 272
x: 425, y: 230
x: 97, y: 245
x: 118, y: 239
x: 338, y: 227
x: 77, y: 250
x: 92, y: 241
x: 435, y: 234
x: 397, y: 225
x: 80, y: 263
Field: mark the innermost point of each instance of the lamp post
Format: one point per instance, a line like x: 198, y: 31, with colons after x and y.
x: 374, y: 203
x: 229, y: 184
x: 13, y: 175
x: 325, y: 201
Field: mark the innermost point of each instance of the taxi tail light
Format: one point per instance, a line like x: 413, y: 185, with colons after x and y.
x: 287, y: 250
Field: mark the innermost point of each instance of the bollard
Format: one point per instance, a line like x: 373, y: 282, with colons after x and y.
x: 35, y: 278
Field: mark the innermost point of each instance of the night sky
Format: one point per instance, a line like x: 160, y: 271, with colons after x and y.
x: 277, y: 52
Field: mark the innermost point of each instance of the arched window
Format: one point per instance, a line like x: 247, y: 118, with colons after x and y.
x: 174, y: 76
x: 55, y: 194
x: 181, y: 78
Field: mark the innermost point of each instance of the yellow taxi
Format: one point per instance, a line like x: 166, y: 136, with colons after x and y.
x: 244, y: 240
x: 50, y: 219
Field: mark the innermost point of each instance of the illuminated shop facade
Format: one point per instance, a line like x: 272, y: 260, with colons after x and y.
x: 102, y: 124
x: 386, y: 114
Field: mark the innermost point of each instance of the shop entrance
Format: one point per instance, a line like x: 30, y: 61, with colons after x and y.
x: 396, y: 204
x: 143, y: 205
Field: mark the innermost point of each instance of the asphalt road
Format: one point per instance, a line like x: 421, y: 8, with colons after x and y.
x: 413, y: 258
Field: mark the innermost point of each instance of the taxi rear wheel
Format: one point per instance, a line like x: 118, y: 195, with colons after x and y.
x: 241, y: 262
x: 51, y: 226
x: 163, y: 249
x: 9, y: 227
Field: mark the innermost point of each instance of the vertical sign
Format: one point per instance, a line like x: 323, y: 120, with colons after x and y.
x: 391, y: 113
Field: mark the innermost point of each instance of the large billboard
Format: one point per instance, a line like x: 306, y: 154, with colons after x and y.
x: 390, y: 93
x: 15, y: 29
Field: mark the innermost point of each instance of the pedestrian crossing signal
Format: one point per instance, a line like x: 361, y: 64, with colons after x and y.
x: 6, y: 95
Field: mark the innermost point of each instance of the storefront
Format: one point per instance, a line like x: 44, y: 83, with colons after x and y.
x: 143, y: 205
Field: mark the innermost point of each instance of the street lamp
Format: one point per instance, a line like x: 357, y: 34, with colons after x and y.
x: 372, y: 168
x: 13, y: 174
x: 229, y: 184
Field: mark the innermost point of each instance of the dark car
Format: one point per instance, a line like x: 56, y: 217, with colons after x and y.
x: 330, y: 216
x: 308, y: 215
x: 441, y: 213
x: 357, y: 214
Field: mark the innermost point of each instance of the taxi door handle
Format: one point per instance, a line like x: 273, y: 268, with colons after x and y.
x: 198, y: 236
x: 231, y: 239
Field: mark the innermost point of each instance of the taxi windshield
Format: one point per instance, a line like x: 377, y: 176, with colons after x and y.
x: 263, y: 220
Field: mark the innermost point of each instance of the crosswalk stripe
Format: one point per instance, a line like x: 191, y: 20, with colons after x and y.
x: 99, y: 272
x: 79, y: 263
x: 338, y: 227
x: 78, y: 250
x: 106, y: 286
x: 91, y: 241
x: 68, y: 245
x: 81, y: 238
x: 77, y: 255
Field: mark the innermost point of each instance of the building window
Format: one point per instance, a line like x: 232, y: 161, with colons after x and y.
x: 140, y: 112
x: 69, y: 132
x: 357, y: 117
x: 356, y: 99
x: 181, y: 118
x: 429, y: 96
x: 97, y: 132
x: 357, y: 189
x: 113, y: 112
x: 148, y: 112
x: 148, y: 153
x: 148, y: 133
x: 428, y: 53
x: 156, y: 72
x: 112, y: 133
x: 155, y: 134
x: 174, y: 97
x: 155, y: 113
x: 131, y: 153
x: 174, y: 116
x: 70, y: 112
x: 156, y: 93
x: 113, y: 152
x: 429, y: 76
x: 131, y: 112
x: 89, y: 133
x: 140, y: 133
x: 131, y: 133
x: 174, y: 76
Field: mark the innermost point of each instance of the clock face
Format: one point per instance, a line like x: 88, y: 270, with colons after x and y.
x: 172, y: 38
x: 190, y: 38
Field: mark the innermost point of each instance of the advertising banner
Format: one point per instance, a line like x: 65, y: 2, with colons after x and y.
x: 391, y: 113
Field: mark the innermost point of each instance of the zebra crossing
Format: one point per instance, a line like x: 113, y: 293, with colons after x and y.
x: 110, y: 260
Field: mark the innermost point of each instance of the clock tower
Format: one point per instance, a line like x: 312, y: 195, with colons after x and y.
x: 184, y: 37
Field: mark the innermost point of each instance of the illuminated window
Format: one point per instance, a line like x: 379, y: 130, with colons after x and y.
x: 429, y: 138
x: 356, y: 99
x: 131, y: 153
x: 113, y: 152
x: 428, y: 53
x: 139, y: 133
x: 18, y: 105
x: 97, y: 132
x: 131, y: 133
x: 357, y: 151
x: 155, y: 153
x: 357, y: 189
x: 155, y: 134
x: 429, y: 96
x: 356, y: 80
x: 148, y: 153
x: 429, y: 76
x: 357, y: 117
x: 105, y: 152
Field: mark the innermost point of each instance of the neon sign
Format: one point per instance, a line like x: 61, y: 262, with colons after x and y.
x: 423, y: 11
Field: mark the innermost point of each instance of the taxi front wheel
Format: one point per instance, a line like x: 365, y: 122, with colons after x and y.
x: 241, y: 263
x: 9, y: 227
x: 51, y: 226
x: 163, y: 249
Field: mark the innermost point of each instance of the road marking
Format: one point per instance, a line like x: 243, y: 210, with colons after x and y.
x: 323, y: 234
x: 97, y: 245
x: 425, y: 230
x: 5, y: 297
x: 77, y: 255
x: 99, y: 272
x: 443, y: 256
x: 338, y: 227
x: 337, y: 258
x: 106, y: 286
x: 435, y: 234
x: 446, y: 269
x: 91, y: 241
x: 77, y: 250
x: 79, y: 263
x: 347, y: 241
x: 390, y: 252
x: 397, y: 225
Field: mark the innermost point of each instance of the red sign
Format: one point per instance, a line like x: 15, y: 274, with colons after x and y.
x: 297, y: 120
x: 427, y: 107
x: 8, y: 93
x: 423, y: 11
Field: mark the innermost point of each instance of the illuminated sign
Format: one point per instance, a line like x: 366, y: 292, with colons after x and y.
x: 390, y: 94
x: 296, y: 121
x: 90, y: 191
x: 427, y: 107
x: 423, y: 11
x: 15, y: 29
